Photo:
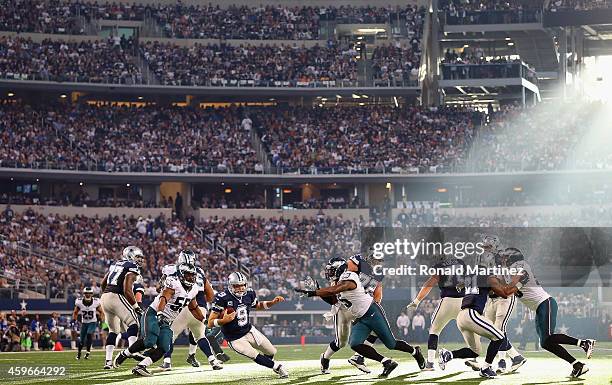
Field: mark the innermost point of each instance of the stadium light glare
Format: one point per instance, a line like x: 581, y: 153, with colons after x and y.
x: 466, y: 46
x: 511, y: 44
x: 338, y: 96
x: 63, y: 96
x: 517, y: 189
x: 80, y: 183
x: 228, y: 190
x: 10, y: 94
x: 287, y: 191
x: 442, y: 190
x: 388, y: 186
x: 355, y: 96
x: 362, y: 104
x: 140, y: 98
x: 508, y: 39
x: 127, y: 185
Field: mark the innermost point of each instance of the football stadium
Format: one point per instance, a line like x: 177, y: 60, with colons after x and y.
x: 306, y: 192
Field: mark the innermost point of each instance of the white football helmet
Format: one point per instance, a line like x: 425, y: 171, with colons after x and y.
x: 240, y: 280
x: 186, y: 257
x: 133, y: 254
x: 491, y: 243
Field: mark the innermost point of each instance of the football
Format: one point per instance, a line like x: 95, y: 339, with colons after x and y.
x: 229, y: 310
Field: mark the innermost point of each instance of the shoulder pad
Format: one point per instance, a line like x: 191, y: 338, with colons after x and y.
x: 169, y: 270
x: 78, y: 301
x: 349, y: 276
x: 172, y: 283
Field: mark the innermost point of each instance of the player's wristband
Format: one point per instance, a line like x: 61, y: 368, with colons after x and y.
x: 216, y: 323
x: 416, y: 301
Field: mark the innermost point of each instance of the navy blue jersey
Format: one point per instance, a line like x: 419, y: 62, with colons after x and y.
x: 117, y: 273
x: 476, y: 292
x: 201, y: 281
x: 448, y: 284
x: 369, y: 279
x: 242, y: 305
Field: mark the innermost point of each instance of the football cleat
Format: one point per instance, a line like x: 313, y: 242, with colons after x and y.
x: 222, y: 357
x: 429, y: 366
x: 87, y: 355
x: 216, y: 364
x: 473, y: 364
x: 324, y: 364
x: 517, y: 362
x: 359, y: 362
x: 141, y: 370
x: 444, y: 356
x: 281, y: 371
x: 501, y: 367
x: 578, y: 370
x: 78, y: 356
x: 191, y: 360
x: 487, y: 372
x: 166, y: 366
x: 588, y: 346
x: 389, y: 365
x: 108, y: 364
x: 119, y: 359
x: 418, y: 356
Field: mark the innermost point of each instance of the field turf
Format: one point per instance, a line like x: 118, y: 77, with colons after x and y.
x: 303, y: 365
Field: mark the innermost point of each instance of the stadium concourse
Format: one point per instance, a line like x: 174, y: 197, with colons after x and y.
x: 204, y: 170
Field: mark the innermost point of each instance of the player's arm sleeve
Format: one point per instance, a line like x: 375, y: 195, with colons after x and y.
x: 255, y: 300
x: 218, y: 304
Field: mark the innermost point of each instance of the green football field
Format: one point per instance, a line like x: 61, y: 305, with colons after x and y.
x: 303, y: 365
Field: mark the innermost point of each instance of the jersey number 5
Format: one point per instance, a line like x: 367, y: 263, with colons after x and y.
x: 179, y: 303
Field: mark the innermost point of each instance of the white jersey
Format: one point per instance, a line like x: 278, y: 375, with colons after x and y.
x: 356, y: 301
x: 88, y: 311
x: 533, y: 293
x: 179, y: 300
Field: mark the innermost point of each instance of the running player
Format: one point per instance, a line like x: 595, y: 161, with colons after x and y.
x: 90, y: 310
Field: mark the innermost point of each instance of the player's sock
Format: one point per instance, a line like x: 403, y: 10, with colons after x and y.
x: 563, y: 339
x: 331, y: 349
x: 80, y: 347
x: 558, y: 350
x: 35, y: 345
x: 432, y: 346
x: 89, y: 342
x: 270, y: 356
x: 214, y: 344
x: 368, y: 352
x: 493, y: 349
x: 264, y: 361
x: 146, y: 362
x: 112, y: 337
x: 154, y: 356
x: 403, y: 346
x: 136, y: 347
x: 464, y: 353
x: 513, y: 352
x: 370, y: 340
x: 204, y: 347
x: 168, y: 360
x: 193, y: 348
x: 501, y: 355
x: 169, y: 352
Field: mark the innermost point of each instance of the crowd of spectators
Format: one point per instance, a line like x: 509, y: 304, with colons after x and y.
x: 81, y: 199
x: 396, y: 65
x: 251, y: 65
x: 111, y: 11
x: 238, y: 22
x: 491, y: 11
x: 40, y: 16
x: 578, y: 5
x: 474, y: 64
x: 117, y: 138
x: 367, y: 139
x: 551, y: 136
x: 100, y: 61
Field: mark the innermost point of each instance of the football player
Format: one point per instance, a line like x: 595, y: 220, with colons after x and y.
x: 90, y: 310
x: 473, y: 324
x: 156, y: 334
x: 230, y: 310
x: 451, y: 295
x: 545, y: 307
x: 367, y: 317
x: 185, y: 320
x: 499, y: 310
x: 118, y: 299
x: 341, y: 316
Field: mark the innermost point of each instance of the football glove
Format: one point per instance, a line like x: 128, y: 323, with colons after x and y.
x: 139, y: 312
x: 413, y: 305
x: 309, y: 293
x: 518, y: 294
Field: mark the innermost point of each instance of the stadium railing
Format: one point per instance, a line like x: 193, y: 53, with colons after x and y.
x: 495, y: 17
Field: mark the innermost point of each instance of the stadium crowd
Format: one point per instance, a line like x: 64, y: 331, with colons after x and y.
x: 39, y: 16
x: 251, y: 65
x: 100, y: 61
x: 578, y: 5
x: 373, y: 139
x: 491, y: 11
x: 126, y: 138
x: 395, y: 65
